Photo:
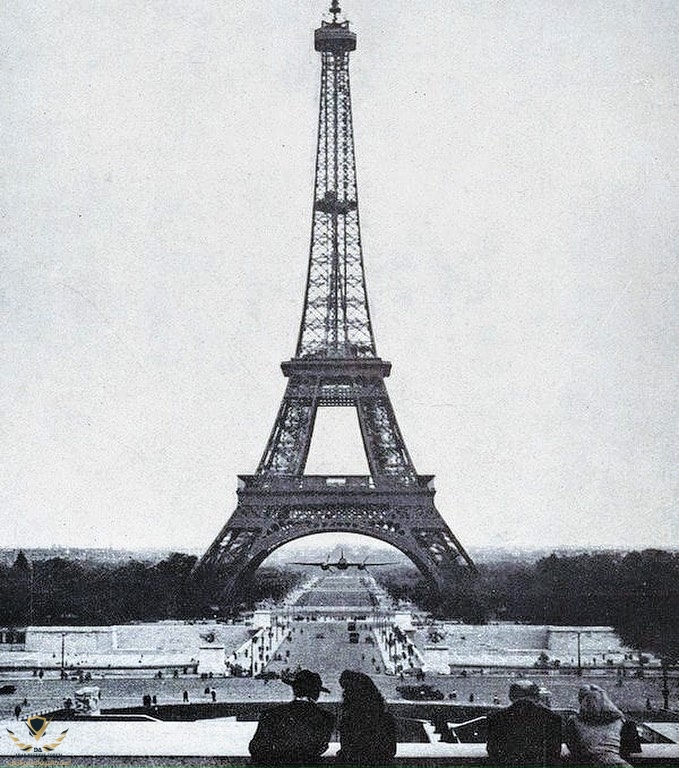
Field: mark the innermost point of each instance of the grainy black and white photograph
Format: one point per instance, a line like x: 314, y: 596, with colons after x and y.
x: 288, y: 484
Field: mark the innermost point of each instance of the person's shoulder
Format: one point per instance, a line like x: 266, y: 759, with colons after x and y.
x: 544, y: 713
x: 499, y: 715
x: 549, y: 715
x: 524, y: 708
x: 309, y: 709
x: 534, y: 707
x: 273, y: 713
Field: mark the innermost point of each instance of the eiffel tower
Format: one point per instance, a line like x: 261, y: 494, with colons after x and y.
x: 335, y: 364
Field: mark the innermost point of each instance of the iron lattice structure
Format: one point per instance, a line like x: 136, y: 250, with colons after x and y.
x: 335, y: 364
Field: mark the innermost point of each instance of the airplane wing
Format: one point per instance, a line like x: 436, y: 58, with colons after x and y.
x: 390, y: 562
x: 316, y: 564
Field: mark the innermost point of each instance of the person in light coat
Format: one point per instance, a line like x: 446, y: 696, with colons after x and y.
x: 599, y: 733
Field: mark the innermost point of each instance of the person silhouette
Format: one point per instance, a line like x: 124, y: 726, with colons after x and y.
x: 526, y: 732
x: 297, y: 732
x: 367, y: 731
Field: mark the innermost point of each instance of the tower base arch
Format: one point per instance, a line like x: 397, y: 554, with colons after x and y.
x: 272, y: 512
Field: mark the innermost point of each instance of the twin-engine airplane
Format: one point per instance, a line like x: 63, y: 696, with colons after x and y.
x: 343, y: 564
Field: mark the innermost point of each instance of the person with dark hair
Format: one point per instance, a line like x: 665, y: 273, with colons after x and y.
x: 526, y: 732
x: 297, y: 732
x: 367, y: 731
x: 599, y: 733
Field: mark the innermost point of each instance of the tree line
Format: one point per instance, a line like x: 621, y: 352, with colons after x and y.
x: 77, y: 592
x: 636, y: 593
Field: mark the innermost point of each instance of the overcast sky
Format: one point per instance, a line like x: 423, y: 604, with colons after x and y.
x: 518, y: 185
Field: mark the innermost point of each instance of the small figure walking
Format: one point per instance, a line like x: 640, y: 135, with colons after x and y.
x: 17, y: 711
x: 185, y: 697
x: 213, y: 694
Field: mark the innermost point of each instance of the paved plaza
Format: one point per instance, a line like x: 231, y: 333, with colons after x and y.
x: 116, y: 692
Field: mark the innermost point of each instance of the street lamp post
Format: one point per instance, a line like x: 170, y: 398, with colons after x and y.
x: 63, y: 643
x: 579, y: 656
x: 665, y: 688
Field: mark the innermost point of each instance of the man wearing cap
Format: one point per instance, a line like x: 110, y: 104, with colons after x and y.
x: 525, y: 733
x: 296, y: 732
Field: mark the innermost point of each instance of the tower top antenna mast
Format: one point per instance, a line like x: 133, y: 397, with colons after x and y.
x: 335, y: 10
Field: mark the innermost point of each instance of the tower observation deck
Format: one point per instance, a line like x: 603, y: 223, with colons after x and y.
x: 334, y: 37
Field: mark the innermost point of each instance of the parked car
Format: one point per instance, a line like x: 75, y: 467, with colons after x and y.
x: 268, y: 674
x: 420, y: 693
x: 7, y: 689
